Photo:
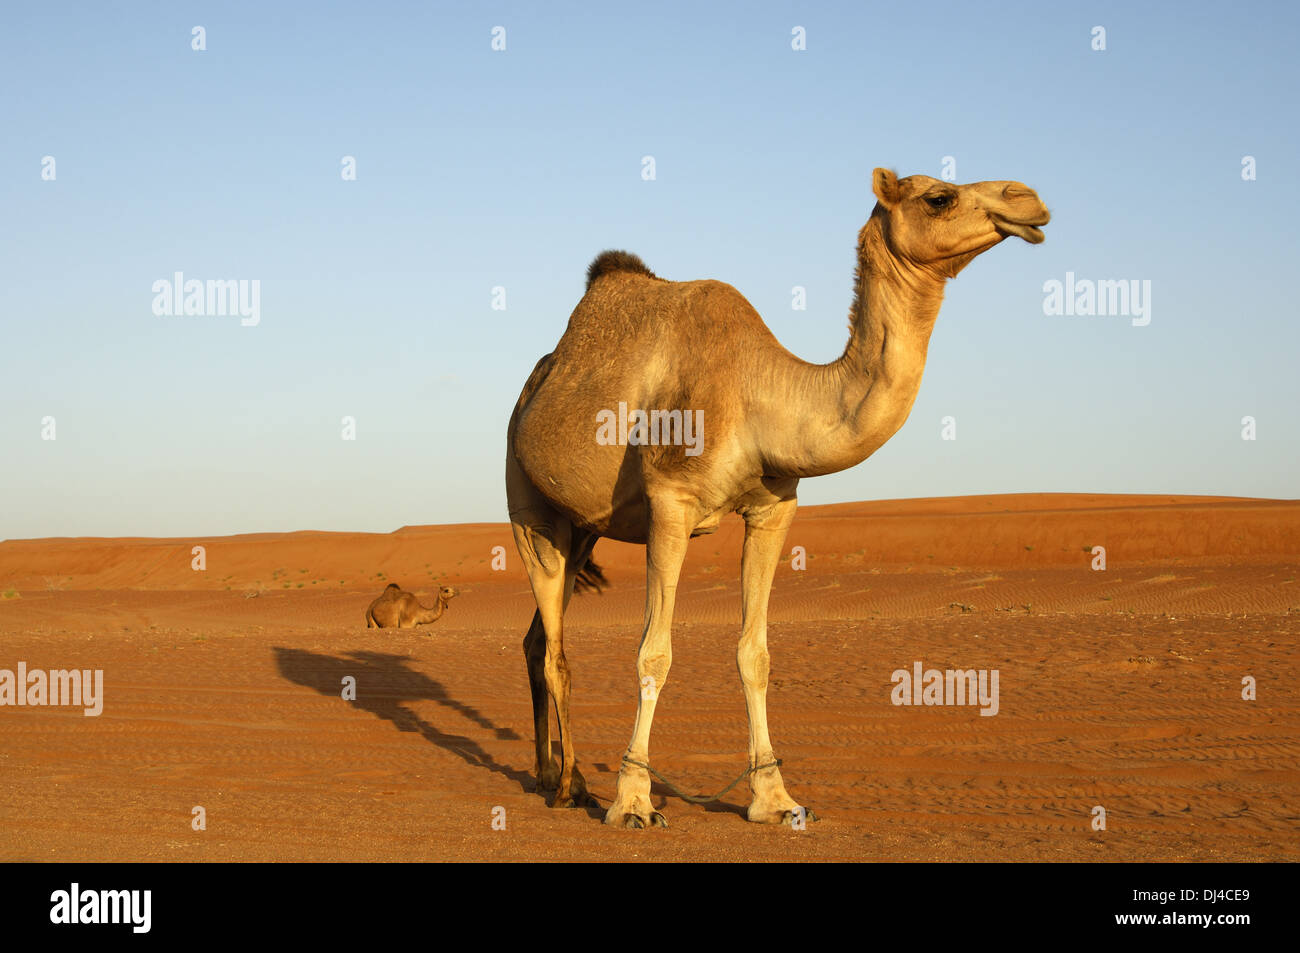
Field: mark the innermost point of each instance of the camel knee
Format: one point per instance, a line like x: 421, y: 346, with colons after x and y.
x: 557, y: 673
x: 754, y: 664
x: 541, y: 552
x: 652, y: 670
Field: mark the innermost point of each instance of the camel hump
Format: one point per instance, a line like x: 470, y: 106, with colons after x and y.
x: 391, y: 585
x: 608, y: 262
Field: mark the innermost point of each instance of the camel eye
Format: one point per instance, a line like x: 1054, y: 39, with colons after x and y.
x: 939, y: 201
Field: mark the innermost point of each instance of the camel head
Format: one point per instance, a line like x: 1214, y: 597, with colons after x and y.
x: 445, y: 594
x: 941, y: 226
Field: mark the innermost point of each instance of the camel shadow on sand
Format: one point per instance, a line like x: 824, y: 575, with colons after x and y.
x: 384, y: 682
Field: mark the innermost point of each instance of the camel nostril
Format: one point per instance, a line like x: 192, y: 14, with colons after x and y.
x: 1018, y: 192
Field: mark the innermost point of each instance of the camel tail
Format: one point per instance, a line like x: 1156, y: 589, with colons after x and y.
x: 590, y: 579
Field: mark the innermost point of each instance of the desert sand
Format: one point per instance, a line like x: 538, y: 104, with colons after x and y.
x: 1119, y: 688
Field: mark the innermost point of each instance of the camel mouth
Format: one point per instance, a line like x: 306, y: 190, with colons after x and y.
x: 1030, y: 233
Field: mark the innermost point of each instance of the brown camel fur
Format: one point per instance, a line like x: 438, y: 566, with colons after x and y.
x: 766, y: 420
x: 395, y: 609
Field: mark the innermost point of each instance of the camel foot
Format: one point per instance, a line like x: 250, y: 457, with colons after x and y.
x: 635, y: 813
x: 779, y: 815
x: 632, y: 807
x: 576, y: 794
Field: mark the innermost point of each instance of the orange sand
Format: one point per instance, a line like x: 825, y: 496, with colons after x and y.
x: 1119, y: 688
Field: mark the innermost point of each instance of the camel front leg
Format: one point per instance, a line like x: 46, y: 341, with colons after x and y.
x: 665, y: 553
x: 765, y: 530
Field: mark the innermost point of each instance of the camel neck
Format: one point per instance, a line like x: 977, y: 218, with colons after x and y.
x: 861, y: 400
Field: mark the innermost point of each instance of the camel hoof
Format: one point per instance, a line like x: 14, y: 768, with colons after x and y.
x: 635, y: 822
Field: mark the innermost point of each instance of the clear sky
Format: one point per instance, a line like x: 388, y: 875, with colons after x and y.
x: 478, y: 168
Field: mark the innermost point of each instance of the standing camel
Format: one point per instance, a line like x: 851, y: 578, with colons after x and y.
x: 764, y: 420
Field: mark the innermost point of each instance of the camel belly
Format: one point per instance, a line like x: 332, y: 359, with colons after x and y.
x: 598, y: 461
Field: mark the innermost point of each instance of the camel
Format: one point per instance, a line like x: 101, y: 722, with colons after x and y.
x: 395, y: 609
x: 766, y: 418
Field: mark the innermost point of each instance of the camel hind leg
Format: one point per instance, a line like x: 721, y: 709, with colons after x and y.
x: 544, y: 766
x: 552, y: 557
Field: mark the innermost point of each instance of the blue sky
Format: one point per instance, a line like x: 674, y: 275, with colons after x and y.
x: 478, y: 168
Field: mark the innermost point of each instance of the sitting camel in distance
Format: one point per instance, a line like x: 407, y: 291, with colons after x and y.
x: 395, y: 609
x: 700, y: 349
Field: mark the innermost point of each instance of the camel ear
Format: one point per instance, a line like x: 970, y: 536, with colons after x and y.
x: 885, y: 184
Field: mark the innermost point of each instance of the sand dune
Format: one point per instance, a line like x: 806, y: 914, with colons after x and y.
x: 1030, y: 530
